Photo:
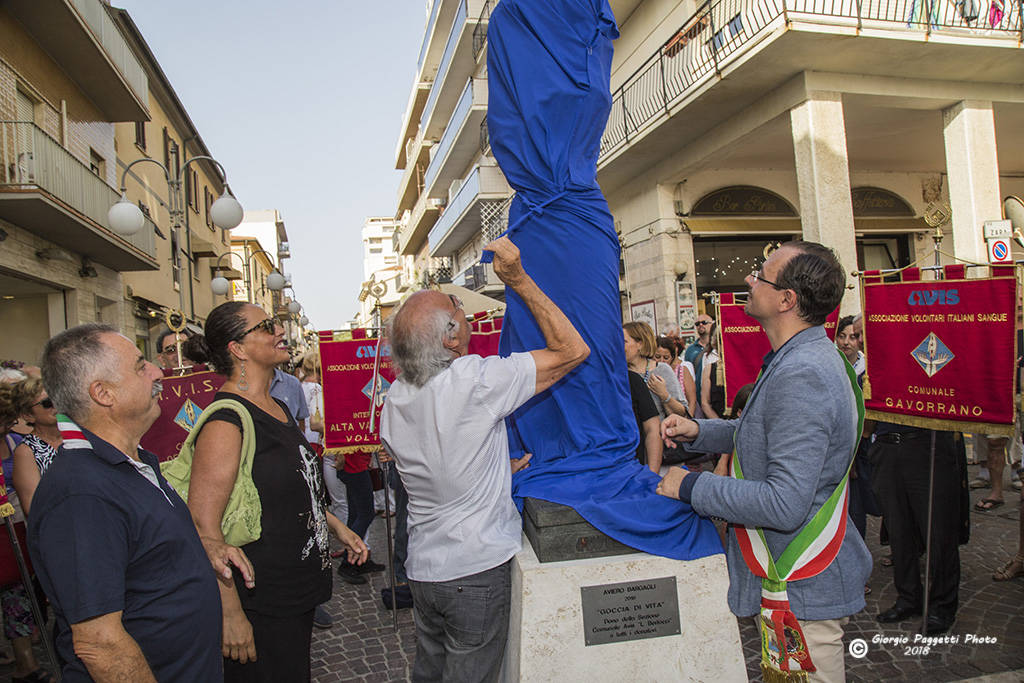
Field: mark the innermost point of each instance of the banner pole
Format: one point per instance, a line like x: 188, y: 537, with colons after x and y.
x: 937, y: 239
x: 30, y: 591
x: 386, y: 471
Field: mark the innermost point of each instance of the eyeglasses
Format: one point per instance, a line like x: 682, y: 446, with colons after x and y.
x: 703, y: 322
x: 46, y: 403
x: 170, y: 349
x: 756, y: 274
x: 269, y: 326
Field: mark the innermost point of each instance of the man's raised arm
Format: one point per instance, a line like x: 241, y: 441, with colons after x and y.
x: 565, y: 347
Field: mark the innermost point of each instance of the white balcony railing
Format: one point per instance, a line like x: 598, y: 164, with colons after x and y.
x: 99, y: 22
x: 446, y: 60
x: 30, y: 157
x: 475, y: 93
x: 721, y: 29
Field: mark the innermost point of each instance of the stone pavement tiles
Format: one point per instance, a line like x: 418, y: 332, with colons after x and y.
x: 362, y: 646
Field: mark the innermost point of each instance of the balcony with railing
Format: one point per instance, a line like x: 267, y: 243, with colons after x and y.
x: 460, y: 142
x: 748, y: 47
x: 473, y: 208
x: 410, y: 185
x: 422, y: 217
x: 480, y: 32
x: 457, y: 65
x: 84, y: 40
x: 49, y: 192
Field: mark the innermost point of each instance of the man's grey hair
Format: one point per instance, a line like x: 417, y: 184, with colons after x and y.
x: 71, y: 361
x: 418, y: 350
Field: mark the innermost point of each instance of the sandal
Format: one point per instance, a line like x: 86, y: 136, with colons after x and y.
x: 40, y: 675
x: 979, y: 483
x: 867, y: 589
x: 1010, y: 570
x: 886, y: 561
x: 987, y: 504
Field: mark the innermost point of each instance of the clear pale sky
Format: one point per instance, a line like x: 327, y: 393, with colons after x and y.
x: 302, y: 102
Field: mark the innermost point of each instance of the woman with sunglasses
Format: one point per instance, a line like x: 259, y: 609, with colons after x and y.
x: 37, y: 450
x: 267, y: 626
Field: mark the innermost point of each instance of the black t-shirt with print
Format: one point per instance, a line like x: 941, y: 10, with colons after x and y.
x: 291, y: 558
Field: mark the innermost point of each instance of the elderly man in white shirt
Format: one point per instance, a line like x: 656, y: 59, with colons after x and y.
x: 444, y: 423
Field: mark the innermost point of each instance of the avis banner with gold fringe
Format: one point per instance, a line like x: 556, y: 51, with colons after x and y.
x: 744, y: 344
x: 941, y: 353
x: 181, y: 402
x: 347, y: 368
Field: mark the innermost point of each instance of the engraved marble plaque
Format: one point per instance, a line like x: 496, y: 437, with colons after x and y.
x: 633, y: 610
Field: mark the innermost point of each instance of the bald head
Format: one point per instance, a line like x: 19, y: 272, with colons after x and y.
x: 427, y: 335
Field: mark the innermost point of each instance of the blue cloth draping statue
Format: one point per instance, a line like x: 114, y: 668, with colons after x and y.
x: 549, y: 64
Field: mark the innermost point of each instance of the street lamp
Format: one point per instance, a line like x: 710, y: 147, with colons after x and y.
x: 220, y: 285
x: 126, y: 218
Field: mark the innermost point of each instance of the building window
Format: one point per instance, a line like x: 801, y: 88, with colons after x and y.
x: 140, y: 134
x: 167, y: 149
x: 376, y: 250
x: 191, y: 189
x: 207, y: 203
x: 97, y: 164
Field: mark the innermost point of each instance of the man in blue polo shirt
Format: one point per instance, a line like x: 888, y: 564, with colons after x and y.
x: 113, y: 545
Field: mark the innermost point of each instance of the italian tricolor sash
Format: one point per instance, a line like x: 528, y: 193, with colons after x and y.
x: 807, y: 555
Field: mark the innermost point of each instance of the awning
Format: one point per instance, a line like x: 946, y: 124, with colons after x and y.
x: 473, y: 302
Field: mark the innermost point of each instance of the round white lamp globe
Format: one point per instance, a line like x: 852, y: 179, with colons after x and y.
x: 226, y: 212
x: 125, y: 218
x: 220, y: 285
x: 275, y: 281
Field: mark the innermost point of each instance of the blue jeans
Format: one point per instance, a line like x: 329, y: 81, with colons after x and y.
x: 462, y: 626
x: 359, y: 490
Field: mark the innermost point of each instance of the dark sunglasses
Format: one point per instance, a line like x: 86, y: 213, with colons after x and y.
x: 703, y: 322
x: 45, y: 403
x: 269, y: 326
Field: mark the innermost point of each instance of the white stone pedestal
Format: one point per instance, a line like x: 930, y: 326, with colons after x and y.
x: 546, y: 633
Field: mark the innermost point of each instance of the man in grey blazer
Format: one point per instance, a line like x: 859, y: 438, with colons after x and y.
x: 794, y: 440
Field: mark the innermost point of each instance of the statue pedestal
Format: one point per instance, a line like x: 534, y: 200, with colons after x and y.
x: 647, y: 618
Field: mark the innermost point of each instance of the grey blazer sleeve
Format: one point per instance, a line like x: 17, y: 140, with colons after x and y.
x: 793, y: 435
x: 715, y: 436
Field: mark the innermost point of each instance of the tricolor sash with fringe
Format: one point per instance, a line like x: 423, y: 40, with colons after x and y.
x: 807, y: 555
x: 71, y: 433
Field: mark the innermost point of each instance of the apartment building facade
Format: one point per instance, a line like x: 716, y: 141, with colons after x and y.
x: 382, y: 269
x: 67, y: 76
x: 189, y: 247
x: 737, y: 124
x: 452, y: 197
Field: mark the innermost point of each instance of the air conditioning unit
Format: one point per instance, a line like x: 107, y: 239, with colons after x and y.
x: 437, y: 203
x: 128, y: 291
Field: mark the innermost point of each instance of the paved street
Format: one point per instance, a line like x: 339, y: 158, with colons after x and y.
x: 363, y: 647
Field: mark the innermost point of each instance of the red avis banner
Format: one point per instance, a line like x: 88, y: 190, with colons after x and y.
x: 347, y: 370
x: 347, y: 367
x: 181, y: 402
x: 744, y: 344
x: 941, y: 353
